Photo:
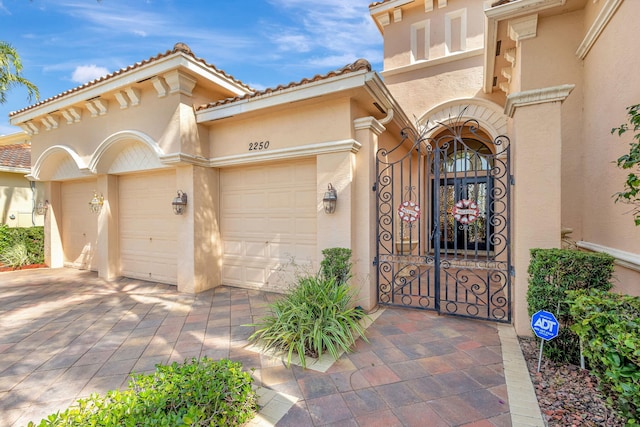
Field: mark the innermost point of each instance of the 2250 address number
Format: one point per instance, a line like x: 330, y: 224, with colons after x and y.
x: 257, y: 146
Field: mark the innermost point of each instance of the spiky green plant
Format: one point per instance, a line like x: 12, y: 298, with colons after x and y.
x: 313, y: 318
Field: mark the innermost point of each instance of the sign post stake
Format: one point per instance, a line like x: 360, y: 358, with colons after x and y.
x: 545, y: 326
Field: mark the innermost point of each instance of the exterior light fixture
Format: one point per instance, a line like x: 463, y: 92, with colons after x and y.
x: 329, y: 200
x: 95, y: 205
x: 41, y: 208
x: 179, y: 203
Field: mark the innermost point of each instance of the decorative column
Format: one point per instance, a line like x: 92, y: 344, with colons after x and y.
x: 536, y: 130
x: 53, y: 255
x: 199, y: 244
x: 108, y: 251
x: 363, y: 239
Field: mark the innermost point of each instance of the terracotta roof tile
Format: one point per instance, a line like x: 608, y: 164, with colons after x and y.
x: 178, y: 47
x: 15, y: 156
x: 360, y: 64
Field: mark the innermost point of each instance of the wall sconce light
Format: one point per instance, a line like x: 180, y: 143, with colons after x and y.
x: 95, y: 205
x: 329, y: 200
x: 41, y: 208
x: 179, y: 203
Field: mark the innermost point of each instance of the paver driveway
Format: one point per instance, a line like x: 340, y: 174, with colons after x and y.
x: 66, y: 333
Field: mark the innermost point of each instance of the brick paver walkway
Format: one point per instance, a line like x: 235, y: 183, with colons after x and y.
x: 66, y: 333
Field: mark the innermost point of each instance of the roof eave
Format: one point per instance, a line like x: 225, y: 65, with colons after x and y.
x: 284, y: 96
x: 493, y: 16
x: 146, y: 71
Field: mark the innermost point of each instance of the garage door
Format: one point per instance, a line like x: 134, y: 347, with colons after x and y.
x: 268, y: 222
x: 148, y: 227
x: 79, y: 225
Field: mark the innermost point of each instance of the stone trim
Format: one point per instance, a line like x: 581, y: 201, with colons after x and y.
x: 598, y: 25
x: 348, y: 145
x: 536, y: 96
x: 623, y: 258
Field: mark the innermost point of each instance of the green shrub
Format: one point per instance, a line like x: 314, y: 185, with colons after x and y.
x: 337, y: 264
x: 32, y: 238
x: 202, y: 392
x: 609, y: 327
x: 552, y: 272
x: 312, y: 318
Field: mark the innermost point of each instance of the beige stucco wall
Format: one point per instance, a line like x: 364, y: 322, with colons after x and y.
x: 296, y: 126
x: 549, y: 60
x: 610, y: 68
x: 17, y: 200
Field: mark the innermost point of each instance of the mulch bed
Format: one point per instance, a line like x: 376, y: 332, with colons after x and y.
x: 567, y: 395
x: 24, y: 267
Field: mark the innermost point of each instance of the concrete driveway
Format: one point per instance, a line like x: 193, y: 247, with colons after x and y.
x: 65, y: 334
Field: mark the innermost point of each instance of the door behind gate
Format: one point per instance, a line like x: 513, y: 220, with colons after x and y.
x: 443, y: 228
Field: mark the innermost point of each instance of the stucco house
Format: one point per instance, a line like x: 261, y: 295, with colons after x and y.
x: 21, y: 200
x: 486, y: 134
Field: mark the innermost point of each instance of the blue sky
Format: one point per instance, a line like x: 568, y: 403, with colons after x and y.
x: 264, y: 43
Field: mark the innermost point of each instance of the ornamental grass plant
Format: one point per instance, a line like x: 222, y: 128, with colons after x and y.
x: 315, y: 317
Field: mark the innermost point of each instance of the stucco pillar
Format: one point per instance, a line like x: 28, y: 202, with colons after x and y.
x: 536, y: 131
x: 334, y: 230
x: 53, y: 255
x: 199, y: 245
x: 363, y: 239
x: 108, y: 251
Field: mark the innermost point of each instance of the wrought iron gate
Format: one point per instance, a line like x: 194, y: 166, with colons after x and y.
x: 443, y: 228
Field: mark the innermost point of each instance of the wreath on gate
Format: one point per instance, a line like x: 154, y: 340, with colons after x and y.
x: 409, y: 211
x: 465, y: 211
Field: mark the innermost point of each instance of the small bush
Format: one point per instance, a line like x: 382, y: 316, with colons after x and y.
x: 312, y: 318
x: 609, y: 327
x: 31, y: 238
x: 552, y: 272
x: 15, y: 256
x: 202, y: 392
x: 337, y: 264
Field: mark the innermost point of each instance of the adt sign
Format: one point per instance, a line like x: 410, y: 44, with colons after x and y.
x: 545, y: 325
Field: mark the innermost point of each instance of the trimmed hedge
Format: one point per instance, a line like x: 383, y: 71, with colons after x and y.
x: 553, y: 272
x: 609, y: 327
x: 15, y: 241
x: 202, y: 392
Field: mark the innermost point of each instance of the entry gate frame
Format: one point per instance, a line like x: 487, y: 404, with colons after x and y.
x: 415, y: 271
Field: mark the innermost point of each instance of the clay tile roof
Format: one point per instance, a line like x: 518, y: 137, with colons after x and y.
x: 378, y: 3
x: 178, y: 47
x: 360, y: 64
x: 15, y: 156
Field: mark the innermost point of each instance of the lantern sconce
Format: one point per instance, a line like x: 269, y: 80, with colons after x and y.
x: 329, y: 200
x: 179, y: 203
x: 95, y: 205
x: 42, y: 208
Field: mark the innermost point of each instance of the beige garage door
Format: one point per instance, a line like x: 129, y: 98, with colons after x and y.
x: 148, y: 227
x: 79, y: 225
x: 268, y: 220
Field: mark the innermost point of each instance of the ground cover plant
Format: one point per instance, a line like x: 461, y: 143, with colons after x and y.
x: 316, y: 316
x: 197, y: 393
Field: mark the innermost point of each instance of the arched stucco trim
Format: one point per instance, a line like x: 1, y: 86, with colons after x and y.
x: 51, y: 158
x: 490, y: 116
x: 104, y: 154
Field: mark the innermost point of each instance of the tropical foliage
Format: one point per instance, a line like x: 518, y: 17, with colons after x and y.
x: 11, y: 73
x: 631, y: 161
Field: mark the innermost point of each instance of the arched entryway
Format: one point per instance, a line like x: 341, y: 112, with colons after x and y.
x: 443, y: 233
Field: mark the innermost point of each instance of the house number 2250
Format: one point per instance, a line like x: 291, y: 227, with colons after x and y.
x: 257, y: 146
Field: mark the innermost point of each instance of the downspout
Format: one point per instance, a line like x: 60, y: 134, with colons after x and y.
x: 32, y: 184
x: 388, y: 118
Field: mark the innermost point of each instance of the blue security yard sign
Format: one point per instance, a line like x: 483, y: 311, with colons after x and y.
x: 544, y: 325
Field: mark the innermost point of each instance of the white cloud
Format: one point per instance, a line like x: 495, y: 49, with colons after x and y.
x: 86, y: 73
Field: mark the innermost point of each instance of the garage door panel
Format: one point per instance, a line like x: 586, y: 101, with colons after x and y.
x: 79, y: 225
x: 148, y: 227
x: 268, y: 218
